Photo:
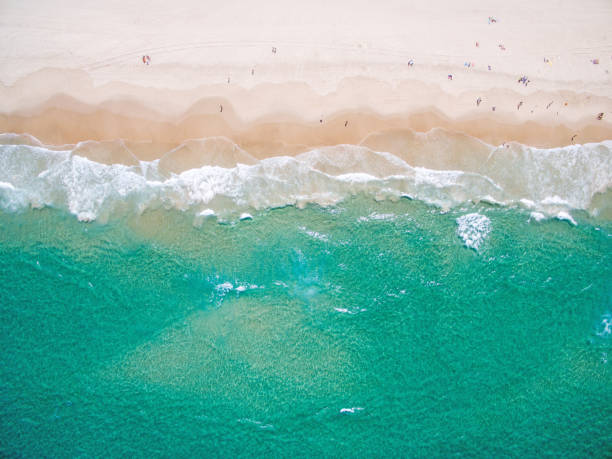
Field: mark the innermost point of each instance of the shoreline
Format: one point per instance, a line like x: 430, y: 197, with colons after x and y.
x: 290, y: 118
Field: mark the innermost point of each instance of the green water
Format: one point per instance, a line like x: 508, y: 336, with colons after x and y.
x: 339, y: 335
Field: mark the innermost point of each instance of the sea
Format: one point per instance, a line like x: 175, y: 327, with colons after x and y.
x: 338, y: 303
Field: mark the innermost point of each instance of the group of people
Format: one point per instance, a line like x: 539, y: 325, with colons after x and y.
x: 524, y: 80
x: 146, y: 59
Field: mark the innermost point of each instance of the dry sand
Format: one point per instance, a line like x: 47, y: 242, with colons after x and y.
x: 73, y: 71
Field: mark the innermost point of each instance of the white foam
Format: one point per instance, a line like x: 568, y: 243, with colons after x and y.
x: 473, y: 229
x: 315, y: 234
x: 245, y: 287
x: 349, y: 311
x: 551, y: 182
x: 537, y: 216
x: 225, y: 287
x: 606, y: 326
x: 207, y: 213
x: 351, y: 410
x: 377, y: 216
x: 567, y: 217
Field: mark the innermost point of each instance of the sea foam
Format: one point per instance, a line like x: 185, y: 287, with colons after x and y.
x: 551, y: 182
x: 473, y: 229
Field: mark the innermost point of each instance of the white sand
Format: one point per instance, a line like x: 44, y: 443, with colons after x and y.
x: 331, y: 56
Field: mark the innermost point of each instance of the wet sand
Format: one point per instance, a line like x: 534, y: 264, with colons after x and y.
x: 327, y: 84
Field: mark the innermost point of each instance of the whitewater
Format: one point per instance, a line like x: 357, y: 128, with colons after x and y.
x: 549, y: 182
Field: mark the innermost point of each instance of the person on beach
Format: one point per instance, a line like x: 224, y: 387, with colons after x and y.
x: 478, y: 101
x: 518, y: 107
x: 346, y: 123
x: 600, y: 116
x: 450, y: 76
x: 573, y: 137
x: 220, y: 108
x: 146, y: 59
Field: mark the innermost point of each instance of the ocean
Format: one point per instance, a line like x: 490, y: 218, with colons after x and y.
x: 339, y: 303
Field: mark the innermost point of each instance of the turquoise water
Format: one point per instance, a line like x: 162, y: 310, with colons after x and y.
x: 361, y: 329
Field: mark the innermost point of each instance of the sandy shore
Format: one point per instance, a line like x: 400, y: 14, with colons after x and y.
x: 306, y: 75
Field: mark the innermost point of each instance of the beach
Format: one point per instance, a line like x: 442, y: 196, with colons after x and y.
x: 371, y: 71
x: 305, y: 229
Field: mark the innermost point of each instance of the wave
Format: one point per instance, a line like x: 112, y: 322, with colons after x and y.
x: 213, y: 176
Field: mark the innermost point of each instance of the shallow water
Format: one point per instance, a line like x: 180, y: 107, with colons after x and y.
x: 361, y: 329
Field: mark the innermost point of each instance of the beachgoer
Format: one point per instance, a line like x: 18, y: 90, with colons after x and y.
x: 450, y: 76
x: 548, y: 106
x: 220, y: 108
x: 573, y: 137
x: 519, y: 105
x: 228, y: 80
x: 489, y: 67
x: 346, y: 123
x: 493, y: 108
x: 477, y: 45
x: 478, y: 101
x: 252, y: 72
x: 600, y: 116
x: 273, y: 50
x: 321, y: 121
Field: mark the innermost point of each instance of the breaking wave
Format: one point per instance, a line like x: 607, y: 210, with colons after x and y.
x: 98, y: 180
